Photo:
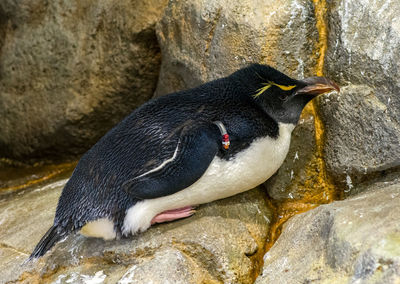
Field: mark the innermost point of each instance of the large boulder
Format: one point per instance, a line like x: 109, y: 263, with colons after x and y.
x: 352, y: 241
x: 223, y: 242
x: 362, y: 136
x: 363, y: 45
x: 204, y: 40
x: 70, y: 70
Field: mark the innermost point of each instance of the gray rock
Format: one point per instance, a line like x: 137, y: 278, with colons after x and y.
x: 363, y: 125
x: 27, y: 215
x: 24, y: 218
x: 222, y: 242
x: 379, y: 182
x: 69, y: 71
x: 352, y: 241
x: 10, y: 265
x: 204, y: 40
x: 364, y: 44
x: 290, y: 180
x: 362, y: 138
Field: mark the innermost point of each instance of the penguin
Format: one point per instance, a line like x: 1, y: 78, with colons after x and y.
x: 180, y: 150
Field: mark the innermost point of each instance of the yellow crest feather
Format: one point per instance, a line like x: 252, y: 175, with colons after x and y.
x: 270, y: 84
x: 262, y: 90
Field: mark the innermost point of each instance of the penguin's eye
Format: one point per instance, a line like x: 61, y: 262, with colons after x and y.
x: 284, y: 97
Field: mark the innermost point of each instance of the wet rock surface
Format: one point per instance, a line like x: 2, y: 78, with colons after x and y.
x: 69, y: 71
x: 352, y: 241
x: 222, y: 242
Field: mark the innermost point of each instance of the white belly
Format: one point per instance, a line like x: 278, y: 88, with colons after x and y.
x: 222, y: 179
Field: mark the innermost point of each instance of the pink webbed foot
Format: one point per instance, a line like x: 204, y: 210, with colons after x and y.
x: 173, y: 214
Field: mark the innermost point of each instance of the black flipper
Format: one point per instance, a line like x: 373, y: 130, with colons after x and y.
x: 53, y: 235
x: 198, y: 144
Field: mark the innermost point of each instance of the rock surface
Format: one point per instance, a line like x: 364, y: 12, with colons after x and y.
x: 290, y: 180
x: 69, y: 71
x: 363, y: 124
x: 204, y: 40
x: 363, y: 45
x: 352, y: 241
x: 222, y: 242
x: 24, y: 218
x: 362, y: 137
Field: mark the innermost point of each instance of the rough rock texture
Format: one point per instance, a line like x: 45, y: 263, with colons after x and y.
x: 204, y: 40
x: 351, y: 241
x: 363, y: 44
x: 290, y: 180
x: 362, y: 137
x: 222, y: 242
x: 363, y: 125
x: 70, y: 70
x: 24, y: 218
x: 83, y: 64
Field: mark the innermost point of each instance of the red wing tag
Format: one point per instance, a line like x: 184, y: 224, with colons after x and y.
x: 225, y: 141
x: 225, y: 136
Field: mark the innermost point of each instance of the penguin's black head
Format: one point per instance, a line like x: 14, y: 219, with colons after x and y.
x: 282, y: 97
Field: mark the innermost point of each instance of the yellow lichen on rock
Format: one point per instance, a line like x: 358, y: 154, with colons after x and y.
x: 321, y: 181
x: 320, y: 17
x: 317, y: 187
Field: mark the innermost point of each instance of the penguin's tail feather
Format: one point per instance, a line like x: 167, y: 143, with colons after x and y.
x: 53, y: 235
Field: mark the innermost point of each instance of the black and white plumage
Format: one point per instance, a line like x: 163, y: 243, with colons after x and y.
x: 167, y: 154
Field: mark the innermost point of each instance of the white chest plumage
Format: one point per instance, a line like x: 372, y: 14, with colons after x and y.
x: 222, y: 179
